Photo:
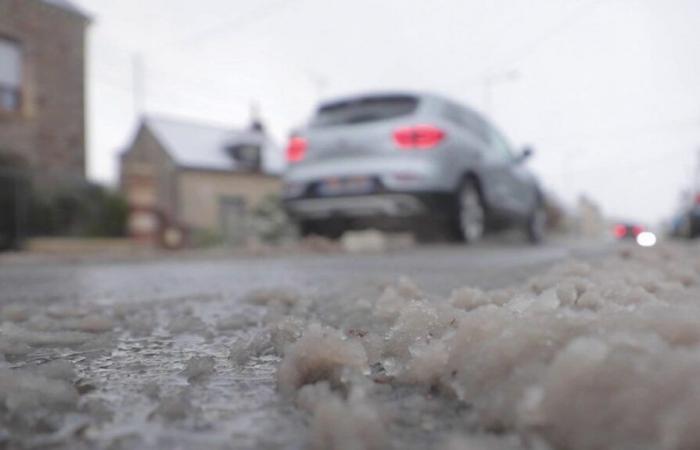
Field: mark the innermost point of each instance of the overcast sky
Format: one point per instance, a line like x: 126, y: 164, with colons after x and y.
x: 607, y: 92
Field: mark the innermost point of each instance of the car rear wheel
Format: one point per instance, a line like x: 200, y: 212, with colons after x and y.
x: 471, y: 215
x: 323, y: 228
x: 685, y: 229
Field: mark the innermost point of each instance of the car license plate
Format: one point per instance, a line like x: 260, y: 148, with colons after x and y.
x: 346, y: 186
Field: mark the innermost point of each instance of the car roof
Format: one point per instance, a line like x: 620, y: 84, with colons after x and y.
x: 422, y: 96
x: 370, y: 94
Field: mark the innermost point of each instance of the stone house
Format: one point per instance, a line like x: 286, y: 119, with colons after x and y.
x: 42, y: 84
x: 193, y: 177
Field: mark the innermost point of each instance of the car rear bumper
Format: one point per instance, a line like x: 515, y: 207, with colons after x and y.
x: 390, y: 204
x: 395, y: 173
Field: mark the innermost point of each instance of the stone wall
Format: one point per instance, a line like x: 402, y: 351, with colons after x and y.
x: 48, y: 131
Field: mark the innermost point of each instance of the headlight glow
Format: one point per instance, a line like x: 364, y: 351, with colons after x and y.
x: 646, y: 239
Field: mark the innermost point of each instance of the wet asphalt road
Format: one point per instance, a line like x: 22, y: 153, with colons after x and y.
x: 235, y: 407
x: 437, y: 269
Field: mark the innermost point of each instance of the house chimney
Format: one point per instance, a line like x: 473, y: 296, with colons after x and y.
x: 247, y: 148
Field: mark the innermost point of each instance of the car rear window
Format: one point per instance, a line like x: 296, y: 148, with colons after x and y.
x: 363, y: 110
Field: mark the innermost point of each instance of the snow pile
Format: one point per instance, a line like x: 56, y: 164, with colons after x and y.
x: 582, y: 357
x: 279, y: 303
x: 40, y: 390
x: 482, y: 443
x: 174, y: 407
x: 36, y: 398
x: 257, y: 345
x: 235, y: 322
x: 53, y: 329
x: 198, y: 367
x: 369, y: 241
x: 321, y: 354
x: 285, y: 332
x: 585, y: 356
x: 352, y: 424
x: 279, y: 297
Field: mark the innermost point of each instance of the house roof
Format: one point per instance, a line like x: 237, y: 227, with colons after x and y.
x: 198, y: 146
x: 68, y: 6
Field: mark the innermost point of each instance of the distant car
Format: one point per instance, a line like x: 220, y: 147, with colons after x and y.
x: 410, y: 158
x: 686, y: 223
x: 627, y: 230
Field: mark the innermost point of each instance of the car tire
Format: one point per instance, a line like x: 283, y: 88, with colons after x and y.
x: 323, y: 228
x: 306, y: 228
x: 470, y: 214
x: 689, y: 228
x: 537, y: 224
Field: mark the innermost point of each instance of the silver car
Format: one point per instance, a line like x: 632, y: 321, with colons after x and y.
x: 408, y: 160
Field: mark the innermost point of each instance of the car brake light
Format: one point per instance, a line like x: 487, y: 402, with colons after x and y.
x: 418, y: 137
x: 296, y: 149
x: 620, y: 231
x: 697, y: 199
x: 636, y: 230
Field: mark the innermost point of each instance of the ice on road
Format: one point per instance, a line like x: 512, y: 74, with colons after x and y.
x: 486, y: 348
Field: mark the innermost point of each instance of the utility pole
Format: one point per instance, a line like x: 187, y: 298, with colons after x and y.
x: 139, y: 84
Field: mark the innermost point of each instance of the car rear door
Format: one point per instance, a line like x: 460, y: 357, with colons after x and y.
x: 510, y: 181
x: 490, y: 161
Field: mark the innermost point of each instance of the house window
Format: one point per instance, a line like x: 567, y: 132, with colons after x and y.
x: 10, y: 75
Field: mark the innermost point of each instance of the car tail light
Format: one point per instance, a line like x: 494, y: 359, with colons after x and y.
x: 296, y: 149
x: 620, y: 231
x: 636, y: 230
x: 418, y: 137
x: 697, y: 199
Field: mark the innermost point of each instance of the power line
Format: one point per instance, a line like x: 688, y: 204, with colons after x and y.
x: 171, y: 91
x: 140, y: 74
x: 624, y: 132
x: 564, y: 25
x: 500, y: 72
x: 230, y: 25
x: 630, y: 164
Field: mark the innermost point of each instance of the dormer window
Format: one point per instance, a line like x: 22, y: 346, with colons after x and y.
x: 10, y: 76
x: 247, y: 156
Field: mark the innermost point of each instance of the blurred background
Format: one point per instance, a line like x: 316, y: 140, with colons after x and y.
x: 164, y: 123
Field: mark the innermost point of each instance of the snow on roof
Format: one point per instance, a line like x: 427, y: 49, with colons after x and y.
x: 194, y: 145
x: 67, y: 5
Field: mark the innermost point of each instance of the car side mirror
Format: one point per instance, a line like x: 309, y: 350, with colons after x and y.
x: 525, y: 154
